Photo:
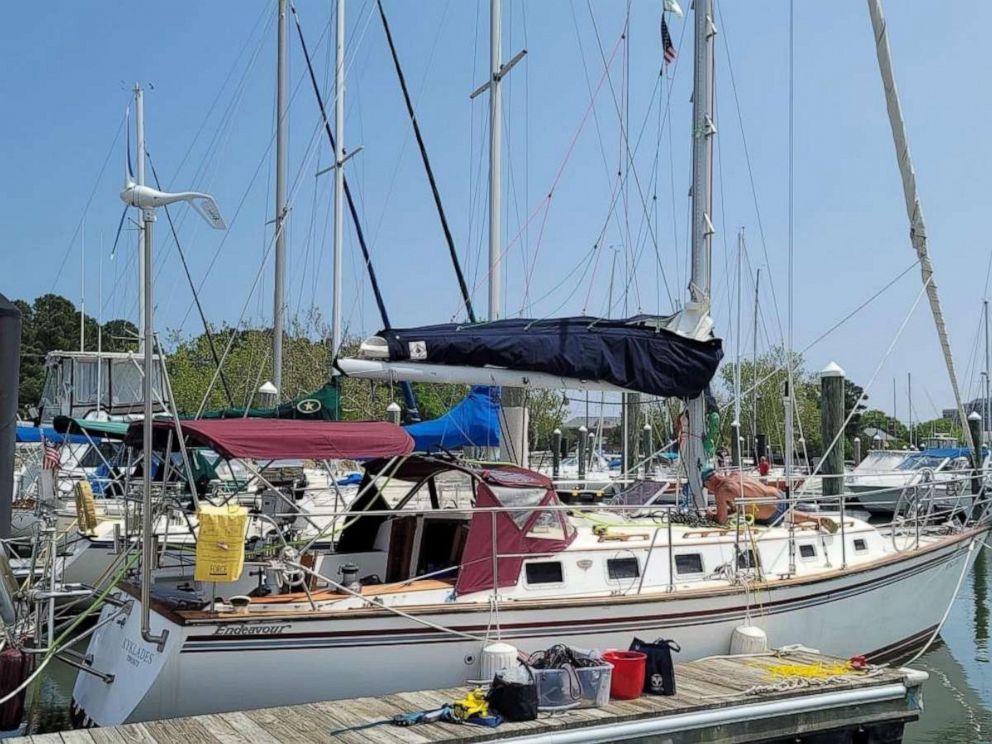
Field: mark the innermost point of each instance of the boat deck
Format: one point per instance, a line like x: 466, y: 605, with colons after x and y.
x: 727, y: 699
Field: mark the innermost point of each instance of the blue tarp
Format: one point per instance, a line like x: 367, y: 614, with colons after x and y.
x: 26, y: 433
x: 472, y: 423
x: 944, y: 452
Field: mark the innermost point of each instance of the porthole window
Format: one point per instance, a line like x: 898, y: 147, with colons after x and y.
x: 860, y: 545
x: 622, y: 568
x: 807, y: 551
x: 544, y: 572
x: 689, y: 563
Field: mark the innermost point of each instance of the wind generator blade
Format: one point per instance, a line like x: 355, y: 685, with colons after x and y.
x: 128, y: 170
x: 117, y: 237
x: 209, y: 210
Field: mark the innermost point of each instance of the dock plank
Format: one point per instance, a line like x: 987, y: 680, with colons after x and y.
x: 718, y: 682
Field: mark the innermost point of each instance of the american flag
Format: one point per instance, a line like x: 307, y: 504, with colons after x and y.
x: 666, y: 42
x: 51, y: 459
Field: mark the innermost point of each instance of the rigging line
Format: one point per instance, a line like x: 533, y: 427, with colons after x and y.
x: 408, y: 394
x: 189, y: 278
x: 568, y: 156
x: 747, y: 161
x: 263, y: 15
x: 223, y: 130
x: 830, y: 330
x: 244, y: 196
x: 545, y: 201
x: 471, y: 143
x: 864, y: 391
x: 628, y: 154
x: 398, y: 158
x: 466, y: 297
x: 89, y: 200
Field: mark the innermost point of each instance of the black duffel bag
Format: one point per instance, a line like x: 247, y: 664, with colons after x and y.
x: 659, y: 669
x: 515, y: 701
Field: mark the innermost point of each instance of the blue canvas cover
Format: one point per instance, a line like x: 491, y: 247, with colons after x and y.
x: 472, y: 423
x: 638, y: 353
x: 28, y: 433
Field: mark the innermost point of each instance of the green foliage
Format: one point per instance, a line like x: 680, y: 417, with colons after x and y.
x: 762, y: 388
x: 51, y: 323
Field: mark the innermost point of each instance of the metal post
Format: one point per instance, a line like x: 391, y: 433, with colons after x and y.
x: 555, y: 453
x: 754, y: 370
x: 10, y: 356
x: 580, y: 453
x: 975, y: 427
x: 702, y: 226
x: 139, y: 123
x: 495, y: 146
x: 831, y: 428
x: 339, y: 89
x: 987, y: 408
x: 647, y: 448
x: 147, y: 524
x: 279, y: 279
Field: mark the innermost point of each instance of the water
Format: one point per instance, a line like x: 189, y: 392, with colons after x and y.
x: 957, y: 697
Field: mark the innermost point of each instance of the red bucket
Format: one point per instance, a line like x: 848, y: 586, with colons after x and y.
x: 627, y: 681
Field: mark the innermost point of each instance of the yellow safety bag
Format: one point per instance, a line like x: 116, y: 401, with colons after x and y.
x: 220, y: 545
x: 85, y: 506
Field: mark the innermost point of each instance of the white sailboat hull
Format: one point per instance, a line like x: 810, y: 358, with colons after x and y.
x: 208, y: 666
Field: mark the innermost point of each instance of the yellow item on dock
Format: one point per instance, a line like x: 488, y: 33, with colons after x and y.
x: 811, y: 671
x: 220, y: 545
x: 85, y: 506
x: 473, y: 704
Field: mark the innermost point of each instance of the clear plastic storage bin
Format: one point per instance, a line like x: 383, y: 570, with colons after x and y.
x: 581, y: 687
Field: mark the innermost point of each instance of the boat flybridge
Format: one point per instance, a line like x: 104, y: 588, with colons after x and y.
x: 886, y: 479
x: 437, y: 556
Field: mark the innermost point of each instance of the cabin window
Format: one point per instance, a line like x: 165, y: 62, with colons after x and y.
x: 689, y: 563
x: 807, y: 551
x: 517, y: 499
x: 747, y: 559
x: 544, y: 572
x: 623, y: 568
x: 860, y: 545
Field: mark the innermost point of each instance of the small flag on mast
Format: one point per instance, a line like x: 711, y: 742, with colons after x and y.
x: 51, y: 459
x: 666, y: 42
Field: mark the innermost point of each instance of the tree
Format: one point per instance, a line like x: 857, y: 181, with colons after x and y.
x: 51, y: 323
x: 762, y: 389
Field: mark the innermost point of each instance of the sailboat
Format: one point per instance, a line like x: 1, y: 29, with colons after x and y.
x: 517, y: 565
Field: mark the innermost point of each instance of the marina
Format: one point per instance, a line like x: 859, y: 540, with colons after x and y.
x: 575, y: 505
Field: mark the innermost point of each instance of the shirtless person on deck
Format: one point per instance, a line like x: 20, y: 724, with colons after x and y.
x: 771, y: 504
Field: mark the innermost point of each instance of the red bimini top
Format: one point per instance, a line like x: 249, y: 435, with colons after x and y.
x: 285, y: 439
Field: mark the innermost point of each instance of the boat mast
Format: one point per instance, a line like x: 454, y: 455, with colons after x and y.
x: 139, y: 124
x: 338, y: 180
x: 703, y: 130
x: 279, y: 280
x: 987, y: 407
x: 82, y: 289
x: 735, y: 427
x: 495, y: 145
x: 754, y: 372
x: 917, y: 228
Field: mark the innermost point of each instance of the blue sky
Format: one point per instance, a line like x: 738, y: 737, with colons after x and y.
x: 210, y: 121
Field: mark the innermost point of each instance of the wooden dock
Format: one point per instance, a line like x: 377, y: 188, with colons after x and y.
x: 738, y: 699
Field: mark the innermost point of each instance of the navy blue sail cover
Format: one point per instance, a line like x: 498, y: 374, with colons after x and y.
x: 635, y: 353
